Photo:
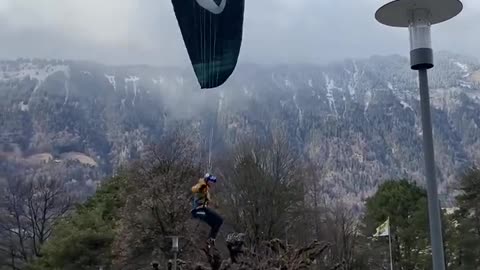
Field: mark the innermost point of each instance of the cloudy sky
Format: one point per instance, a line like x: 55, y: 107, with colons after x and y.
x: 276, y: 31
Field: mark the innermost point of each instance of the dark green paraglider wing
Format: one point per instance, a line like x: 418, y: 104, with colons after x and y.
x: 212, y: 31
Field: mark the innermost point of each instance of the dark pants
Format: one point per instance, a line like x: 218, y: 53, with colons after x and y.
x: 210, y: 217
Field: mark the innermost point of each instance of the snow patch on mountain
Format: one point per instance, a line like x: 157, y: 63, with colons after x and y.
x: 330, y: 84
x: 288, y: 83
x: 221, y: 99
x: 351, y: 89
x: 405, y: 105
x: 67, y: 86
x: 86, y: 73
x: 160, y: 80
x: 23, y: 107
x: 111, y: 80
x: 31, y: 71
x: 300, y: 112
x: 356, y: 76
x: 463, y: 67
x: 368, y: 99
x: 133, y: 80
x: 465, y: 84
x: 446, y: 99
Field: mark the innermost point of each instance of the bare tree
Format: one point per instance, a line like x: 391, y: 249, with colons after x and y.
x: 341, y: 229
x: 262, y: 191
x: 28, y: 210
x: 13, y: 224
x: 314, y: 196
x: 47, y: 201
x: 157, y: 202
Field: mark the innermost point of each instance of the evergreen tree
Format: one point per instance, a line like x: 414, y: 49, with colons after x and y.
x: 467, y: 222
x: 406, y: 205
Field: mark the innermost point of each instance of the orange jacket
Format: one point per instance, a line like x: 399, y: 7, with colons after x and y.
x: 201, y: 194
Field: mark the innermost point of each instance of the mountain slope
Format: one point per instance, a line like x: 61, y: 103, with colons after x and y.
x: 358, y: 120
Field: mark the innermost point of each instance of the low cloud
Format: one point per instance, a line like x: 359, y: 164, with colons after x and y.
x: 276, y: 31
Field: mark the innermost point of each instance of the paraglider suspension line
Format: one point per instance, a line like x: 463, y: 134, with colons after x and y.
x: 210, y: 150
x: 212, y: 132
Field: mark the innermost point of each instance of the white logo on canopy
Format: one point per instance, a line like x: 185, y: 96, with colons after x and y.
x: 211, y: 6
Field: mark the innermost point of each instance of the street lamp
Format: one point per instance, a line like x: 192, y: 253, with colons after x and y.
x: 175, y: 250
x: 418, y: 16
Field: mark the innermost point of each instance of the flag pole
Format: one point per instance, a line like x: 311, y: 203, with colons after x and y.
x: 390, y: 243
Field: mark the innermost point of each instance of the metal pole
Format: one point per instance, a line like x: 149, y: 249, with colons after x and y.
x: 174, y: 260
x: 390, y: 243
x: 286, y: 236
x: 436, y: 238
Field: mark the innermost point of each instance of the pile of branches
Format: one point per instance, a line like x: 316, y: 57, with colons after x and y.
x: 270, y: 255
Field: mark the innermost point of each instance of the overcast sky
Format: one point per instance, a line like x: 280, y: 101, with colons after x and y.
x: 276, y: 31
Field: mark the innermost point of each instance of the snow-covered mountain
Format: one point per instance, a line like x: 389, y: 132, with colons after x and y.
x: 359, y: 120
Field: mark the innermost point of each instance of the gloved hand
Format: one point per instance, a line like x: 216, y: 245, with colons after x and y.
x: 203, y: 188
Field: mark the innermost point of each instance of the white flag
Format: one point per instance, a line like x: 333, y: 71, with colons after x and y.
x: 383, y: 230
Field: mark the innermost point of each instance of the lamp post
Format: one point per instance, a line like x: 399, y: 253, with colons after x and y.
x: 418, y: 16
x: 175, y: 251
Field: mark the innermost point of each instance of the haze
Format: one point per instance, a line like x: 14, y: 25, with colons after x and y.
x: 276, y: 31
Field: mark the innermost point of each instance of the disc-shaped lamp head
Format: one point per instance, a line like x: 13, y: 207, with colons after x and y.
x: 418, y: 16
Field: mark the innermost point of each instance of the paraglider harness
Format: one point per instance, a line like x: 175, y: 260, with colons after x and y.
x: 200, y: 209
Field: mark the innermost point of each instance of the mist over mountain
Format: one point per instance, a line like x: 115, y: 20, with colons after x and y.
x: 357, y: 120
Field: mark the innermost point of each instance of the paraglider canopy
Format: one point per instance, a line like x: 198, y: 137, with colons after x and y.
x: 212, y: 32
